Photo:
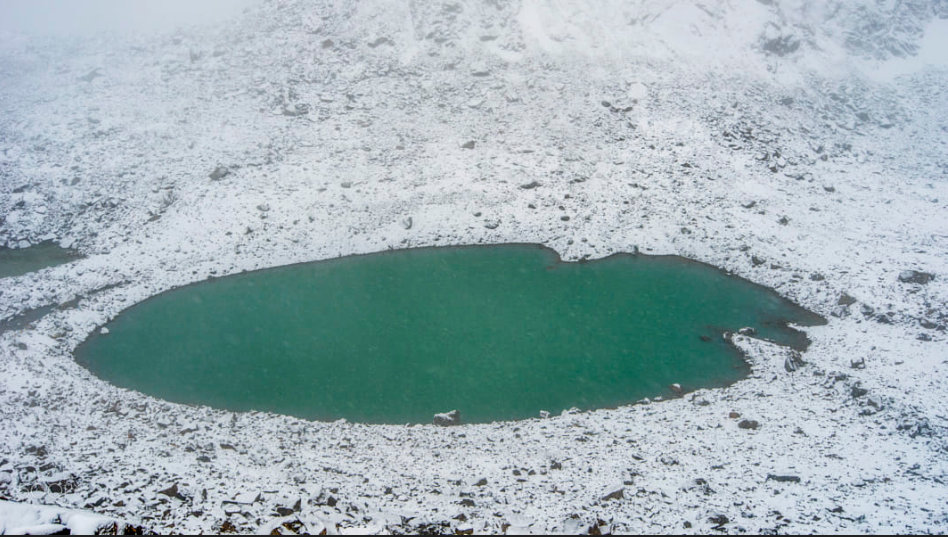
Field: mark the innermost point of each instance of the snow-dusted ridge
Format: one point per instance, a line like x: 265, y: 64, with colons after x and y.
x: 757, y: 137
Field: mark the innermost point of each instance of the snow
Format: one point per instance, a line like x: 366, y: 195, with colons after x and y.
x: 26, y: 519
x: 809, y: 173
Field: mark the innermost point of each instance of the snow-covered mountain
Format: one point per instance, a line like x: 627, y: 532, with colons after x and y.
x: 800, y: 144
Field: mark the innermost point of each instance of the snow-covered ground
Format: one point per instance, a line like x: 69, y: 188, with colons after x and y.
x: 800, y: 145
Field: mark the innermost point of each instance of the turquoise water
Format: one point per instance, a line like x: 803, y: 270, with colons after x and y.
x: 498, y: 332
x: 16, y: 262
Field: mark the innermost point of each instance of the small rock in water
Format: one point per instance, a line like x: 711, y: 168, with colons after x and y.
x: 675, y: 388
x: 104, y: 331
x: 747, y: 331
x: 449, y: 419
x: 544, y: 414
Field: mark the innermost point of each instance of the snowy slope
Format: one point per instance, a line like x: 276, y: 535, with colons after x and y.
x: 798, y: 144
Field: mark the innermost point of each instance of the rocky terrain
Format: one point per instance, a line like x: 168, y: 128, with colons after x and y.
x: 799, y: 145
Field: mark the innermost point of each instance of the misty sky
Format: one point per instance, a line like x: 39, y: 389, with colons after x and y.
x: 89, y: 16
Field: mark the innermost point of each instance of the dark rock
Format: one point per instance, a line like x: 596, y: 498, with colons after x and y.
x: 219, y: 173
x: 449, y: 419
x: 718, y: 520
x: 858, y: 392
x: 923, y: 337
x: 734, y: 415
x: 172, y: 492
x: 469, y: 145
x: 829, y: 189
x: 817, y: 277
x: 783, y: 221
x: 756, y: 261
x: 204, y: 458
x: 846, y: 300
x: 749, y: 424
x: 914, y: 276
x: 858, y: 364
x: 38, y: 451
x: 783, y: 478
x: 328, y: 43
x: 793, y: 362
x: 467, y: 502
x: 530, y: 185
x: 284, y: 511
x: 615, y: 494
x: 481, y: 483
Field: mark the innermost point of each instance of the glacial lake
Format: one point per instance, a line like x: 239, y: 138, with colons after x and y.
x: 497, y: 332
x: 19, y: 261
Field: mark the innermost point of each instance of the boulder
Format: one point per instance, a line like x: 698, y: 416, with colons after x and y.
x: 846, y: 300
x: 719, y: 520
x: 783, y: 478
x: 749, y: 424
x: 616, y: 493
x: 916, y: 277
x: 449, y: 419
x: 219, y: 173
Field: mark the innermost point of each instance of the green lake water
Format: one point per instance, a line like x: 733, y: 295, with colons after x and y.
x: 16, y: 262
x: 498, y: 332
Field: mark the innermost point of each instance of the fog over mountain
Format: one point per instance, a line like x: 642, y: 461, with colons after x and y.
x: 800, y: 144
x: 88, y: 17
